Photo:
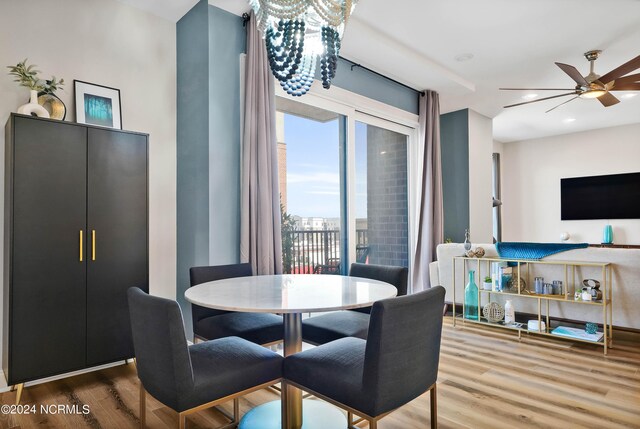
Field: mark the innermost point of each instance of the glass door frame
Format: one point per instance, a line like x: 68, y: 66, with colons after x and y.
x: 411, y: 135
x: 358, y: 108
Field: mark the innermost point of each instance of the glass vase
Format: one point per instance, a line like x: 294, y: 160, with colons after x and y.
x: 607, y: 234
x: 467, y: 240
x: 471, y: 298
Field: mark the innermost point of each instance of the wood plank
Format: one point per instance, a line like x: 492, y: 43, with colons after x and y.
x: 487, y: 379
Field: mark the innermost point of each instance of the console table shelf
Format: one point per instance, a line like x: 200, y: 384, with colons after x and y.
x: 558, y: 298
x: 522, y: 275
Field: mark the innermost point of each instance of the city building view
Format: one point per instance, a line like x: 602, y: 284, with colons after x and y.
x: 312, y: 190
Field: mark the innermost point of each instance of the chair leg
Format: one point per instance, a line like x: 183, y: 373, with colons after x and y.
x: 182, y: 421
x: 349, y: 418
x: 373, y: 424
x: 283, y: 401
x: 434, y: 407
x: 143, y: 407
x: 236, y: 410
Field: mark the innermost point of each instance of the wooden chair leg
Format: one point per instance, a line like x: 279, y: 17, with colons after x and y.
x: 143, y: 407
x: 349, y: 418
x: 373, y: 424
x: 434, y: 407
x: 182, y: 421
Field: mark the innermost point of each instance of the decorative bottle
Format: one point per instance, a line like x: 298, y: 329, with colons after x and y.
x: 467, y: 240
x: 509, y: 313
x: 607, y: 234
x: 471, y: 298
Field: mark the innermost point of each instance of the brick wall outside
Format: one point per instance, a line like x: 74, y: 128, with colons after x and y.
x: 387, y: 205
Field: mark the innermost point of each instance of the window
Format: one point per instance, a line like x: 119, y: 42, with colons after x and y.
x: 381, y: 204
x: 345, y: 182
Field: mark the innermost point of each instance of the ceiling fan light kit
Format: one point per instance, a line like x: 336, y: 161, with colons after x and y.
x: 592, y: 86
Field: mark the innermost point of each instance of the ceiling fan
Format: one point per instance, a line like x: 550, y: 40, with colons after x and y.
x: 592, y: 85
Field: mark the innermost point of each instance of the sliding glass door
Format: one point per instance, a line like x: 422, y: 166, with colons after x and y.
x: 381, y: 197
x: 344, y: 187
x: 310, y: 143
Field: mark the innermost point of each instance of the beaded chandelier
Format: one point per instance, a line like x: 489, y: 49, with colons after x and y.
x: 296, y: 33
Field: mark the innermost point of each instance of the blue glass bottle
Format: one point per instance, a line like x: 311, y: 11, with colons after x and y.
x: 471, y: 298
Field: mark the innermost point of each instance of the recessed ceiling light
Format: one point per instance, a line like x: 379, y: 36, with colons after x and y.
x: 629, y: 95
x: 383, y: 152
x: 464, y: 57
x: 568, y: 120
x: 529, y: 96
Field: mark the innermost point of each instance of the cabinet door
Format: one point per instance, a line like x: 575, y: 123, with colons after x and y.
x: 47, y: 292
x: 117, y: 212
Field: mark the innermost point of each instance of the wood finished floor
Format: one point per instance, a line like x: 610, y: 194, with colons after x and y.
x: 487, y: 379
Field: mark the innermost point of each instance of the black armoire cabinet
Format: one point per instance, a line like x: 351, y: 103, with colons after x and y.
x: 76, y: 238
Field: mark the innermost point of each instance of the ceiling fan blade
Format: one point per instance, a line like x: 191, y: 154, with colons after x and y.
x: 573, y: 73
x: 627, y: 87
x: 608, y: 100
x: 632, y: 78
x: 561, y: 104
x: 541, y: 99
x: 625, y: 68
x: 536, y: 89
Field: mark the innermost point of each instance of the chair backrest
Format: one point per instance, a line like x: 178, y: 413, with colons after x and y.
x: 161, y: 349
x: 396, y: 276
x: 212, y: 273
x: 403, y: 348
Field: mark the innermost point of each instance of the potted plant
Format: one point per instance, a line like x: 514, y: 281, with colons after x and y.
x: 487, y: 284
x: 27, y: 76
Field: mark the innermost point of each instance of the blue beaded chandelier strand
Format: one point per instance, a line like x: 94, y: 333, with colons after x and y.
x: 297, y: 33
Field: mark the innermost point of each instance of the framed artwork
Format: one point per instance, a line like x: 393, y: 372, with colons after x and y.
x: 97, y: 105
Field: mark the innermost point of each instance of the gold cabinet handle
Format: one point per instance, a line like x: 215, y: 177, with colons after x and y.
x: 93, y: 244
x: 81, y: 246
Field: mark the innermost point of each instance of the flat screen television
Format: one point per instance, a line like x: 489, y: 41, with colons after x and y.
x: 615, y: 196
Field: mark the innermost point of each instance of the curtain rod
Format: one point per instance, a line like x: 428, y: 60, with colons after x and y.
x: 246, y: 18
x: 354, y: 64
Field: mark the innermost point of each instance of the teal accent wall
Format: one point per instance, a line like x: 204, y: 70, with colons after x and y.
x: 209, y: 43
x: 454, y: 143
x: 227, y: 40
x: 192, y: 44
x: 367, y: 84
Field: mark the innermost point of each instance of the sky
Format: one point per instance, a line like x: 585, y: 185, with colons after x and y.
x: 313, y: 167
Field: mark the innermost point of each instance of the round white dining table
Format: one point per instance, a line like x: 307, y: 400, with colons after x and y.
x: 291, y: 295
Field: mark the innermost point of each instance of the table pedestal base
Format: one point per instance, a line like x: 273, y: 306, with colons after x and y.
x: 315, y: 415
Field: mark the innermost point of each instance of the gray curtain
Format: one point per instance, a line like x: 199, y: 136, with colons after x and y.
x: 431, y: 226
x: 260, y: 239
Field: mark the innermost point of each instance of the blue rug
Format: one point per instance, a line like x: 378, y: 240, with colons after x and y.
x: 519, y: 250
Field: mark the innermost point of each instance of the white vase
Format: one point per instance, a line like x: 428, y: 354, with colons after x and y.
x: 32, y: 107
x: 509, y: 313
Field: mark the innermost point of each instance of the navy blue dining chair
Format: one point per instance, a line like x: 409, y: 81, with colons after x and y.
x: 397, y: 363
x: 210, y: 324
x: 352, y: 323
x: 190, y: 378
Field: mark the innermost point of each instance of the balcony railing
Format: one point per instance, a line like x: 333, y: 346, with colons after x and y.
x: 316, y: 251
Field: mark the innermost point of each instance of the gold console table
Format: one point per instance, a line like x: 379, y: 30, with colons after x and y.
x: 522, y: 270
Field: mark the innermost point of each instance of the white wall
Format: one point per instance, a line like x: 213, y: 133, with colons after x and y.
x: 531, y: 183
x: 480, y: 178
x: 109, y: 43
